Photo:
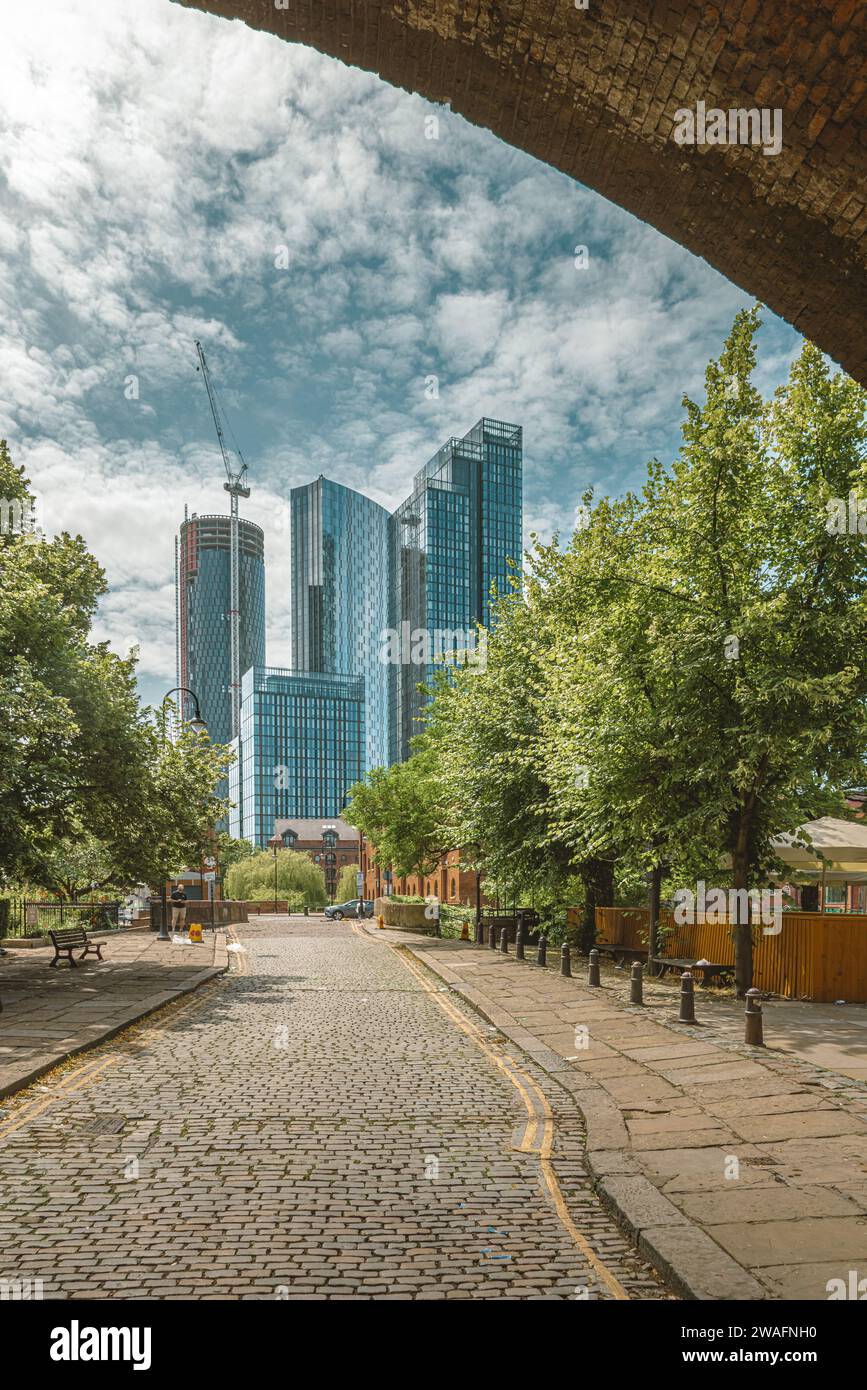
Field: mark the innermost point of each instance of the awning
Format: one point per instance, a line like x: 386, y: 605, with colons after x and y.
x: 827, y: 844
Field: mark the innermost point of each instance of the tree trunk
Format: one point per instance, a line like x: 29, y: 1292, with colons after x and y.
x: 597, y: 876
x: 742, y: 931
x: 654, y: 890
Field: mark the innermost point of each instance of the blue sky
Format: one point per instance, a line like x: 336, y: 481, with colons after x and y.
x: 159, y: 166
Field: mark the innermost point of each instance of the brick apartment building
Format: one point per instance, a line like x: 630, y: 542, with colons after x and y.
x: 449, y: 882
x: 331, y: 842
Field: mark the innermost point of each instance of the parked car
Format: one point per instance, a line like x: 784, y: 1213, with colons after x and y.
x: 337, y: 911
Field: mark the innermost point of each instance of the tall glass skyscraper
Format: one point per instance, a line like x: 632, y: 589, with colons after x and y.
x: 451, y: 542
x: 300, y: 749
x: 339, y: 548
x: 202, y: 598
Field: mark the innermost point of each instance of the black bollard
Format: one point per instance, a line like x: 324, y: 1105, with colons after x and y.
x: 519, y: 943
x: 565, y: 960
x: 542, y: 950
x: 480, y: 933
x: 492, y: 939
x: 504, y: 941
x: 753, y: 1019
x: 593, y: 973
x: 687, y: 999
x: 636, y: 984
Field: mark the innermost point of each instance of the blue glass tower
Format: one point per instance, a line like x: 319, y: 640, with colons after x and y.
x: 339, y: 543
x: 202, y: 604
x: 300, y: 749
x: 451, y: 543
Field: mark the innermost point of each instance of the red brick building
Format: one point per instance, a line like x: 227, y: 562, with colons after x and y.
x: 449, y: 882
x: 331, y: 842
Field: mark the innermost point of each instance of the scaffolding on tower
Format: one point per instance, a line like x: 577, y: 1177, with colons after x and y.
x: 236, y: 487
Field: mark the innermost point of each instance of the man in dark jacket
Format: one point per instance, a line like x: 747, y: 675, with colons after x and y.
x: 179, y: 906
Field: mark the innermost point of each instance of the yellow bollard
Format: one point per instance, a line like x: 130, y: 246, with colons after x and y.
x: 196, y: 933
x: 380, y: 922
x: 465, y: 931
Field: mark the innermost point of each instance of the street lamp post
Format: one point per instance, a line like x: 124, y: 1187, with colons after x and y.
x: 198, y: 725
x: 275, y: 878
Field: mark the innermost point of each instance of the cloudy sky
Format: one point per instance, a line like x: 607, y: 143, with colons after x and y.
x: 166, y: 175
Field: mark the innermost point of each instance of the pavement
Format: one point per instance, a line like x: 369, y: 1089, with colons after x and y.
x: 49, y: 1013
x: 327, y: 1121
x: 740, y: 1171
x: 826, y: 1035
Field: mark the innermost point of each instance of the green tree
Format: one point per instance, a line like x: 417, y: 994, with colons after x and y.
x: 300, y: 880
x: 717, y: 697
x: 347, y: 883
x: 230, y: 851
x: 84, y: 770
x: 399, y: 810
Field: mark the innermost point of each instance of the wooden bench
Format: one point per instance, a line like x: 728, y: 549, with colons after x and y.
x: 712, y: 971
x: 65, y: 942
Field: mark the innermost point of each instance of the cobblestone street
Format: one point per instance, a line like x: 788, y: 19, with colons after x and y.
x: 327, y: 1121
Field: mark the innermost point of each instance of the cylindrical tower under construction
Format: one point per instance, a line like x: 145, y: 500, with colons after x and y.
x: 203, y: 599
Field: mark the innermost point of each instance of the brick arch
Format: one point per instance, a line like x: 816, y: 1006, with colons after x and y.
x: 594, y: 91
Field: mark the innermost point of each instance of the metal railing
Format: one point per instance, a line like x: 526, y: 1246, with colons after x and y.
x: 30, y: 918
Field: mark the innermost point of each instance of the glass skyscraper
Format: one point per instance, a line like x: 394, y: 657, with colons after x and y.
x: 202, y: 597
x: 301, y: 747
x: 451, y: 542
x: 339, y: 550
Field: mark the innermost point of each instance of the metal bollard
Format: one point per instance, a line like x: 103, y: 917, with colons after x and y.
x: 492, y: 937
x: 687, y: 999
x: 565, y: 960
x: 636, y: 984
x: 504, y: 941
x: 519, y: 943
x: 542, y: 950
x: 753, y: 1019
x: 593, y: 973
x: 480, y: 934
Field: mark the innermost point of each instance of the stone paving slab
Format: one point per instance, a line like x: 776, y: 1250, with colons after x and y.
x: 742, y: 1172
x: 51, y: 1012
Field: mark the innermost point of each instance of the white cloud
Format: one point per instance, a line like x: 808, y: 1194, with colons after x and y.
x: 155, y: 160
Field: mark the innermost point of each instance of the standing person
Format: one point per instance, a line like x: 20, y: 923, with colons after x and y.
x: 179, y: 907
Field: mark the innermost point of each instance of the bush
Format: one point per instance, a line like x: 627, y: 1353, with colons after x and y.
x: 452, y: 920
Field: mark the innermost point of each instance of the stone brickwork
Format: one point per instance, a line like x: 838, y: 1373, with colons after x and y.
x: 594, y: 92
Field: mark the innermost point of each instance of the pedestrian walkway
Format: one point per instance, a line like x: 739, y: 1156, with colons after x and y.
x: 323, y: 1122
x: 49, y: 1013
x: 742, y: 1172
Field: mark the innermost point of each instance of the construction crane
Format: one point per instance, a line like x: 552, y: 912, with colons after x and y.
x: 236, y: 487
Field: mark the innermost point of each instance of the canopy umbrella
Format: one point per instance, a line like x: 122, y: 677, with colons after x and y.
x: 831, y: 849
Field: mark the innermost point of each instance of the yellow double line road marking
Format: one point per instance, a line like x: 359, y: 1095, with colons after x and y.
x: 539, y: 1117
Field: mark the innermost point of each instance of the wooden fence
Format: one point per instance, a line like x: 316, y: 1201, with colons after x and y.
x: 814, y: 957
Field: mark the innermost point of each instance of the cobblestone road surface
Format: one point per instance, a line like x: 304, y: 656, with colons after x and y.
x: 316, y: 1125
